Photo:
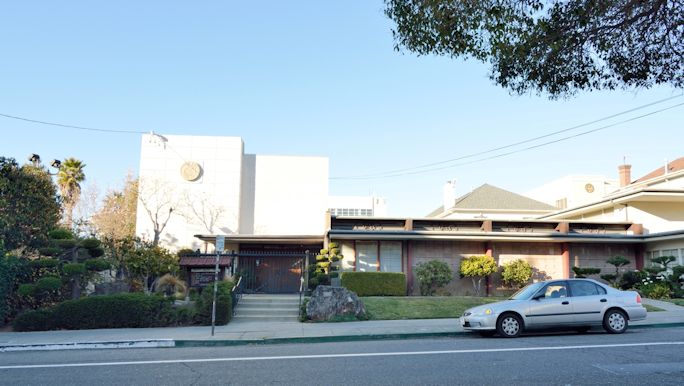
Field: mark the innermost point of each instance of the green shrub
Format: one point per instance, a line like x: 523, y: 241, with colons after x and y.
x: 375, y: 283
x: 44, y: 263
x: 432, y: 275
x: 47, y: 285
x: 96, y: 252
x: 184, y: 315
x: 60, y: 234
x: 97, y: 265
x: 185, y: 252
x: 26, y: 290
x: 631, y: 279
x: 224, y: 307
x: 90, y: 243
x: 656, y: 291
x: 74, y: 269
x: 517, y: 273
x: 477, y: 268
x: 50, y: 251
x: 583, y: 272
x: 35, y: 320
x: 66, y: 243
x: 114, y: 311
x: 11, y: 270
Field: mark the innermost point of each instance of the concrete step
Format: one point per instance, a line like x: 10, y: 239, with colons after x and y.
x: 265, y: 318
x: 255, y: 314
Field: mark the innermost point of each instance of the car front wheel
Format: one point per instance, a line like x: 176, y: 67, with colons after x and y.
x: 615, y: 322
x: 509, y: 325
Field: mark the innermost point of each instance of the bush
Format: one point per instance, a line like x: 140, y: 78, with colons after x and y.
x: 74, y: 269
x: 114, y: 311
x: 583, y: 272
x: 517, y: 273
x: 631, y: 279
x: 224, y: 309
x: 60, y: 234
x: 47, y: 285
x: 36, y: 320
x: 656, y: 291
x: 477, y: 268
x: 66, y: 243
x: 97, y: 265
x: 44, y: 263
x: 50, y: 251
x: 96, y: 252
x: 26, y: 290
x: 432, y: 275
x: 91, y: 243
x: 375, y: 283
x: 11, y: 270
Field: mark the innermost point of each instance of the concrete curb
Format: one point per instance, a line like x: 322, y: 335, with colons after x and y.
x: 157, y: 343
x: 161, y: 343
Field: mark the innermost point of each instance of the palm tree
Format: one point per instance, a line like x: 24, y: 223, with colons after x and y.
x: 69, y: 180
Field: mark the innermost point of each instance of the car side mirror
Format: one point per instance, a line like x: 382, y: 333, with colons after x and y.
x: 538, y: 296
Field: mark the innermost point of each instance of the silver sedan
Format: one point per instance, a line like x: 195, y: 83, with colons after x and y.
x: 571, y: 303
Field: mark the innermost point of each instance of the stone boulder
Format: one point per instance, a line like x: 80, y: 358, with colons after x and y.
x: 111, y: 288
x: 333, y: 303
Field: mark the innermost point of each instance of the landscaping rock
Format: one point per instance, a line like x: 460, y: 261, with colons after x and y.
x: 331, y: 303
x: 112, y: 288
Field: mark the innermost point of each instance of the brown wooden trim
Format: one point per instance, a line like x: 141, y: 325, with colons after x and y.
x: 356, y: 256
x: 565, y: 260
x: 487, y: 226
x: 377, y: 257
x: 637, y: 229
x: 409, y: 261
x: 563, y: 227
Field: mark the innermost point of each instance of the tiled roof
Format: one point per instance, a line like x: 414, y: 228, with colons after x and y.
x: 197, y: 261
x: 672, y: 167
x: 488, y: 197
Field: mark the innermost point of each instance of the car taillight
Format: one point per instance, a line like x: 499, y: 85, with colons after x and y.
x: 638, y: 299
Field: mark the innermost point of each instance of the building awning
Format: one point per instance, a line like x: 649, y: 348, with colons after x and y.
x: 266, y: 239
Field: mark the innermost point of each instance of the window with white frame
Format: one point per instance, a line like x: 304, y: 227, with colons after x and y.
x: 383, y: 256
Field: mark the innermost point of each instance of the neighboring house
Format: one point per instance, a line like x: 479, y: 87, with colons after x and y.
x: 489, y: 202
x: 655, y: 200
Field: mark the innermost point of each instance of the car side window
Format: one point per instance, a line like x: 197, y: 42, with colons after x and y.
x: 555, y: 290
x: 585, y: 288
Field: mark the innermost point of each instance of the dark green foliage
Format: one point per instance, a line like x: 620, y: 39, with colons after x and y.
x: 583, y: 272
x: 433, y: 275
x: 223, y: 303
x: 35, y: 320
x: 74, y: 269
x: 47, y: 285
x: 96, y: 252
x: 609, y: 277
x: 325, y: 267
x: 375, y: 283
x: 185, y: 252
x: 44, y: 263
x: 91, y: 243
x: 29, y: 206
x: 26, y: 289
x: 50, y: 251
x: 11, y: 270
x: 65, y: 243
x: 664, y: 261
x: 60, y: 234
x: 554, y: 47
x: 630, y: 279
x: 110, y: 311
x: 97, y: 265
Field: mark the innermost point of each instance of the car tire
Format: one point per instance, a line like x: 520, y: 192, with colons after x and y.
x: 509, y: 325
x: 615, y: 322
x: 487, y: 334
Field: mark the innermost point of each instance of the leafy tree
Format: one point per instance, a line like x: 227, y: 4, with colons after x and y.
x: 147, y: 262
x: 69, y: 180
x: 325, y: 267
x: 477, y: 268
x: 551, y: 46
x: 517, y: 273
x: 617, y: 262
x: 433, y: 275
x: 12, y: 270
x: 116, y: 219
x: 29, y: 206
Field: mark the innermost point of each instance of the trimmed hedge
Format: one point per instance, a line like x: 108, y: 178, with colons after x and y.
x: 224, y: 303
x: 375, y: 283
x: 107, y: 311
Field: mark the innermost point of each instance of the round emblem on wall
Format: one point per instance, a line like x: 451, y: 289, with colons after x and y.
x: 589, y: 188
x: 191, y: 171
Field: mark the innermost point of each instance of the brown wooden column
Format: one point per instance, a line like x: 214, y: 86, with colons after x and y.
x: 409, y: 264
x: 488, y: 281
x: 565, y: 260
x: 639, y: 252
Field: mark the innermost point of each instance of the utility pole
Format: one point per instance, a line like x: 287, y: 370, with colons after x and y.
x: 220, y: 242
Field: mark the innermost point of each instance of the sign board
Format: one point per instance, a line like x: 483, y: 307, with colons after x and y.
x: 220, y: 243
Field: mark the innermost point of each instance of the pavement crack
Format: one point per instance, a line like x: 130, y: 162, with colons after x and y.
x: 196, y: 373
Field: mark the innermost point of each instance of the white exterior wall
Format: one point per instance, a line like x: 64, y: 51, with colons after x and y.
x: 290, y: 195
x: 217, y: 190
x: 466, y: 215
x: 378, y: 205
x: 573, y: 189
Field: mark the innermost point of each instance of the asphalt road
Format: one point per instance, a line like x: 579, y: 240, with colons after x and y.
x: 640, y: 356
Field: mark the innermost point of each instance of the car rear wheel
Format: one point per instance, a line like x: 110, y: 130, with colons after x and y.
x: 615, y: 322
x: 509, y: 325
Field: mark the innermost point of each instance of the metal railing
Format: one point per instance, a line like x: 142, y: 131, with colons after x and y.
x: 236, y: 294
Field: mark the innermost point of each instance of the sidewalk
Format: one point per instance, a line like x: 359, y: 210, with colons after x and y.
x: 237, y: 333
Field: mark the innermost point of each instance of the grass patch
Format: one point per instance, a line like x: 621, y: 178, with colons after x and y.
x: 421, y: 307
x: 650, y: 308
x: 679, y: 302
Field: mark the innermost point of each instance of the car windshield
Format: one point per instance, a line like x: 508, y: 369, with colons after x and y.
x: 526, y: 292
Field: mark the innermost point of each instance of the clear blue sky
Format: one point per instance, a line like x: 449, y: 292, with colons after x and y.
x: 295, y: 78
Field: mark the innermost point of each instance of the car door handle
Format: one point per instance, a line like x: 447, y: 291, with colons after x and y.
x: 603, y: 300
x: 565, y: 302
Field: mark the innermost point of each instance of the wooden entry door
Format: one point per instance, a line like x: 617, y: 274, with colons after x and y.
x: 271, y: 274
